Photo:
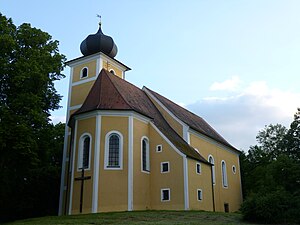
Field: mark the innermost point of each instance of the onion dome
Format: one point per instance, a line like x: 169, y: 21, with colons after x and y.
x: 98, y: 42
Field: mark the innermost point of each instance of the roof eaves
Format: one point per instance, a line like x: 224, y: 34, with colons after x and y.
x: 95, y: 54
x: 221, y: 143
x: 200, y: 158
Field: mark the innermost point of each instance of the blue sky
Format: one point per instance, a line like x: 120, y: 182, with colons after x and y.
x: 235, y: 63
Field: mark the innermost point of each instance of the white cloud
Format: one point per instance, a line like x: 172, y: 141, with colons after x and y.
x: 57, y: 119
x: 228, y: 85
x: 238, y: 118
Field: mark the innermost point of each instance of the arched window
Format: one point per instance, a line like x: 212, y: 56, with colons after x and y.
x: 224, y: 174
x: 112, y: 71
x: 145, y: 155
x: 113, y: 150
x: 84, y: 151
x: 84, y: 72
x: 212, y: 161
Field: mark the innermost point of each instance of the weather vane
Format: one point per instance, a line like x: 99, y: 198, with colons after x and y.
x: 99, y: 19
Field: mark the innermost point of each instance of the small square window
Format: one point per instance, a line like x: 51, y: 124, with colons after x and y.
x: 198, y: 168
x: 199, y: 194
x: 158, y: 148
x: 165, y: 194
x: 164, y: 167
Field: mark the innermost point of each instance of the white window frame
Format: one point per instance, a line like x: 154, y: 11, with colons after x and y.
x: 233, y: 169
x: 87, y: 72
x: 200, y: 169
x: 80, y: 151
x: 224, y: 174
x: 161, y: 167
x: 161, y: 194
x: 112, y: 71
x: 106, y: 151
x: 157, y: 147
x: 147, y: 155
x: 201, y: 195
x: 213, y: 168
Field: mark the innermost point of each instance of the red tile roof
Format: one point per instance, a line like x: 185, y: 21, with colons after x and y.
x: 193, y: 121
x: 110, y: 92
x: 103, y: 95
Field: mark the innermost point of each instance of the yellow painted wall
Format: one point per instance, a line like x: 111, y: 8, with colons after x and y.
x: 80, y: 92
x: 173, y: 180
x: 84, y: 126
x: 113, y: 184
x: 91, y: 71
x: 200, y: 181
x: 141, y: 180
x: 232, y: 194
x: 108, y: 66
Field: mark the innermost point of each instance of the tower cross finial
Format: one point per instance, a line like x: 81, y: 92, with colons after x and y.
x: 99, y: 16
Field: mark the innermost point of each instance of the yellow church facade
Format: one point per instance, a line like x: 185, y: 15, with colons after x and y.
x: 128, y: 148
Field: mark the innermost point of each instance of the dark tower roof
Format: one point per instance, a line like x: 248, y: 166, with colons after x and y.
x: 98, y: 42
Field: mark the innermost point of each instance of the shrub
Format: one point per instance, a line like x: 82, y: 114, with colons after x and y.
x: 273, y: 207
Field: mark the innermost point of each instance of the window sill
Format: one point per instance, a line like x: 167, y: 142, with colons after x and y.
x: 113, y: 168
x: 146, y: 171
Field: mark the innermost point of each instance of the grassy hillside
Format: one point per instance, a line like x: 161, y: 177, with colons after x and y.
x: 143, y: 218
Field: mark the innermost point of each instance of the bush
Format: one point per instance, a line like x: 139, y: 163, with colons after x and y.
x: 274, y: 207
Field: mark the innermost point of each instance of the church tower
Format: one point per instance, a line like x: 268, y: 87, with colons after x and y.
x: 98, y: 52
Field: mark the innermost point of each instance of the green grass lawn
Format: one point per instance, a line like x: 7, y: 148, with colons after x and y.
x: 143, y: 218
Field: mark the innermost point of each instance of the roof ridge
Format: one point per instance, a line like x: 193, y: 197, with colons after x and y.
x: 122, y: 94
x: 220, y: 138
x: 173, y: 103
x: 106, y: 72
x: 100, y: 77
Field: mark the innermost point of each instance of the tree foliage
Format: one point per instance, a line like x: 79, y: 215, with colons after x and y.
x: 29, y: 144
x: 271, y: 175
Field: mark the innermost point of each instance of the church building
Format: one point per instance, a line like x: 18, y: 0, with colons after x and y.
x: 128, y: 148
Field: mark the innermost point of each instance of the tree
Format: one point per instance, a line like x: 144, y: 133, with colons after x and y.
x: 292, y: 140
x: 30, y: 64
x: 271, y: 139
x: 271, y: 175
